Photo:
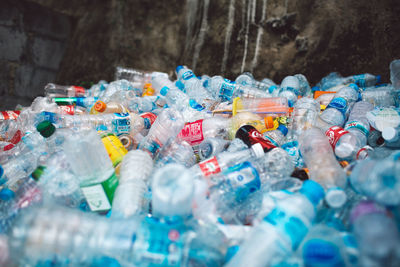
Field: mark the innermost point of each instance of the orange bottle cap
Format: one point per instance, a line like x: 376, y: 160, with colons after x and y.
x: 100, y: 106
x: 269, y: 122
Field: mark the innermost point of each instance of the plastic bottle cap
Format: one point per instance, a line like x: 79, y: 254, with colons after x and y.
x: 180, y: 85
x: 258, y: 150
x: 45, y: 128
x: 37, y: 173
x: 100, y: 106
x: 164, y: 91
x: 313, y: 191
x: 283, y: 129
x: 378, y: 79
x: 1, y: 171
x: 269, y: 122
x: 6, y: 194
x: 336, y: 197
x: 178, y: 68
x: 389, y: 133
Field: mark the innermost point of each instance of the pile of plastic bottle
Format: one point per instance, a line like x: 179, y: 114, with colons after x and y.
x: 152, y: 170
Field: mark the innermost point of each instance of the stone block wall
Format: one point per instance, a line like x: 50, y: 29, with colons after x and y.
x: 33, y: 40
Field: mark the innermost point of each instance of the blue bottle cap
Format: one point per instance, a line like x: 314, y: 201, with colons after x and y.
x: 313, y: 191
x: 1, y: 171
x: 378, y: 79
x: 354, y: 86
x: 283, y: 129
x: 6, y: 194
x: 180, y: 85
x: 178, y: 68
x: 164, y: 91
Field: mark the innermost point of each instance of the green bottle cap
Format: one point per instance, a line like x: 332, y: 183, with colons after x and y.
x: 45, y: 128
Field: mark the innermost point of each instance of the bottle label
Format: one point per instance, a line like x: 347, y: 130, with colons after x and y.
x: 100, y: 196
x: 192, y: 133
x: 149, y: 119
x: 338, y: 103
x: 357, y: 125
x: 322, y: 252
x: 291, y: 226
x: 116, y: 150
x: 194, y: 105
x: 257, y: 137
x: 292, y: 148
x: 226, y: 90
x: 68, y: 109
x: 187, y: 75
x: 334, y: 133
x: 294, y: 90
x: 48, y: 116
x: 210, y: 166
x: 271, y: 140
x: 9, y: 115
x: 244, y: 179
x: 16, y: 137
x: 121, y: 124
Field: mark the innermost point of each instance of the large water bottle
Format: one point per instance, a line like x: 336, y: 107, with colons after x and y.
x: 130, y: 195
x: 90, y: 162
x: 382, y: 96
x: 167, y: 125
x: 282, y: 230
x: 290, y: 88
x: 378, y: 179
x: 372, y: 225
x: 323, y: 166
x: 54, y: 90
x: 224, y: 89
x: 336, y: 112
x: 364, y: 80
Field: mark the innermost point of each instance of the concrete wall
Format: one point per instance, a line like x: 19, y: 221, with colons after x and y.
x: 32, y: 44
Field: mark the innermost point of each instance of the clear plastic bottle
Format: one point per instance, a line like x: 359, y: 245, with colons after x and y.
x: 323, y: 166
x: 282, y: 230
x: 130, y: 195
x: 378, y: 179
x: 395, y: 73
x: 372, y: 225
x: 336, y: 112
x: 90, y: 162
x: 290, y: 88
x: 118, y: 89
x: 364, y: 80
x: 277, y: 137
x: 382, y: 96
x: 167, y: 125
x: 176, y: 151
x: 224, y: 160
x: 54, y: 90
x: 305, y: 89
x: 211, y: 146
x: 304, y: 115
x: 110, y: 107
x: 224, y: 89
x: 172, y: 191
x: 195, y: 132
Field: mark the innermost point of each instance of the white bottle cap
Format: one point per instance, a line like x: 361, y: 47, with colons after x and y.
x: 389, y: 134
x: 258, y: 150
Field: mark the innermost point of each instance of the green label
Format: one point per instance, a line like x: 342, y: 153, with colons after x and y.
x: 100, y: 196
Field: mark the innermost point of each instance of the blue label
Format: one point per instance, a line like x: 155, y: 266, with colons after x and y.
x: 318, y: 252
x: 294, y: 90
x: 47, y: 116
x: 226, y: 91
x: 291, y: 226
x: 122, y: 124
x: 292, y: 148
x: 193, y: 104
x: 244, y: 180
x: 338, y: 103
x: 187, y: 75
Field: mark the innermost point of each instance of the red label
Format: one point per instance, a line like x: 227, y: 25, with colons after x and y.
x: 210, y: 166
x: 68, y: 109
x: 9, y: 115
x: 79, y: 91
x: 192, y: 133
x: 334, y: 133
x: 149, y: 115
x: 257, y: 137
x: 16, y: 138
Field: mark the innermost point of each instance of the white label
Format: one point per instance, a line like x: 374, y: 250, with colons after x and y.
x: 96, y: 197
